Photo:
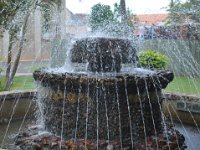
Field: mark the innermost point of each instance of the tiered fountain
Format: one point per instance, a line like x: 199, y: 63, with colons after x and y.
x: 106, y: 107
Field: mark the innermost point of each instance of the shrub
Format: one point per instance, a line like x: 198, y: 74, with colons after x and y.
x: 152, y: 59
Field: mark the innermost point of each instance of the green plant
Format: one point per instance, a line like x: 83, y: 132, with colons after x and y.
x: 152, y: 59
x: 100, y: 16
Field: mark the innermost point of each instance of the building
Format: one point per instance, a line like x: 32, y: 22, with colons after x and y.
x: 150, y: 19
x: 148, y: 23
x: 76, y: 23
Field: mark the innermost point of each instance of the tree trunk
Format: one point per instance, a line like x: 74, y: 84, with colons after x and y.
x: 9, y: 59
x: 172, y: 3
x: 123, y: 12
x: 21, y: 44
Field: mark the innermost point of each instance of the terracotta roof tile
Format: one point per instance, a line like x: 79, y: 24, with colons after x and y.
x: 151, y: 19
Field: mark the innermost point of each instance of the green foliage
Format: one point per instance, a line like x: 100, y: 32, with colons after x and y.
x: 185, y: 13
x: 8, y: 11
x: 117, y: 14
x: 100, y: 15
x: 12, y: 11
x: 152, y: 59
x: 103, y: 19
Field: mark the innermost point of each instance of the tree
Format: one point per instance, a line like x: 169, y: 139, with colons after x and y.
x: 15, y: 14
x: 14, y: 18
x: 8, y: 10
x: 123, y: 12
x: 185, y: 13
x: 118, y: 14
x: 100, y: 15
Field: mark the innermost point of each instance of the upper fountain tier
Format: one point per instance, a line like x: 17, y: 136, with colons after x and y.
x: 103, y: 54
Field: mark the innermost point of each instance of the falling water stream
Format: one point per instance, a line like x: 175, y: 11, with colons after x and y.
x: 63, y: 113
x: 87, y: 112
x: 129, y: 114
x: 191, y: 69
x: 176, y: 55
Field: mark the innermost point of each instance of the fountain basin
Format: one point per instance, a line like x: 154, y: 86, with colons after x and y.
x: 15, y: 104
x: 109, y: 106
x: 182, y: 107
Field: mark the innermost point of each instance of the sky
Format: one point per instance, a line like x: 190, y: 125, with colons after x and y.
x: 137, y: 6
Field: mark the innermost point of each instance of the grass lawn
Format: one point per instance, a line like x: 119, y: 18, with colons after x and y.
x: 184, y: 85
x: 22, y: 83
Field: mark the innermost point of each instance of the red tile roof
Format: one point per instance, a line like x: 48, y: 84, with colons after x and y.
x: 150, y: 19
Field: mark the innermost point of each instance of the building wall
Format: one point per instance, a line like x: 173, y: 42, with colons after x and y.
x: 34, y: 48
x: 75, y: 30
x: 35, y: 52
x: 37, y: 47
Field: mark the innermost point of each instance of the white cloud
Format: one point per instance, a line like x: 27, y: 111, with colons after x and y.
x: 137, y: 6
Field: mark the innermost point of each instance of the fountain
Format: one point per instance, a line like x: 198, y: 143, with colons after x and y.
x: 108, y: 106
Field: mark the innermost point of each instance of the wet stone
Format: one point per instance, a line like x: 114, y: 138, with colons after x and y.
x: 55, y: 143
x: 114, y: 110
x: 108, y: 118
x: 103, y: 54
x: 78, y: 105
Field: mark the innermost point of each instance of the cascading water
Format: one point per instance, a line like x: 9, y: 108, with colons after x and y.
x: 105, y: 107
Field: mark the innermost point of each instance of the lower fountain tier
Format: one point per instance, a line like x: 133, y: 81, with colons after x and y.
x: 103, y: 121
x: 102, y: 107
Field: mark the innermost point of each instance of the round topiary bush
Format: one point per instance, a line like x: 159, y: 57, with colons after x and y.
x: 152, y: 59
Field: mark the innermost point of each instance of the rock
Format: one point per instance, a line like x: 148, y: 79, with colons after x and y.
x: 54, y: 144
x: 37, y: 147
